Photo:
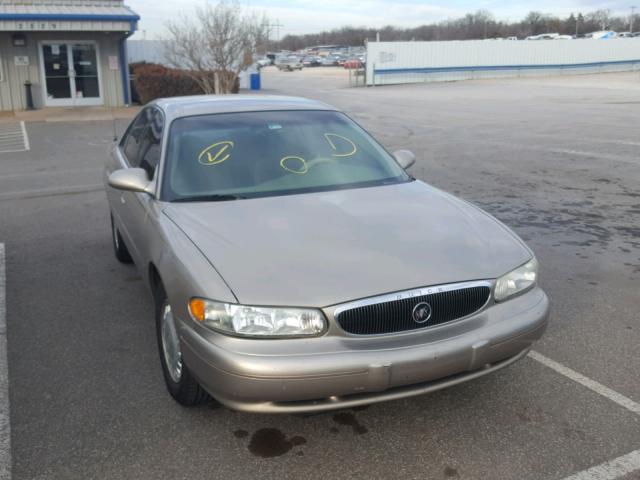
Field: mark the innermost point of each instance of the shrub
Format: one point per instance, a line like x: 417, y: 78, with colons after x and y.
x: 156, y: 81
x: 152, y: 81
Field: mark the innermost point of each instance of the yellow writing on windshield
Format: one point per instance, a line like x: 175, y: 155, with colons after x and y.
x: 294, y: 164
x: 216, y: 153
x: 342, y: 146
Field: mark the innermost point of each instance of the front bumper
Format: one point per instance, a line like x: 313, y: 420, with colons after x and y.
x: 338, y: 370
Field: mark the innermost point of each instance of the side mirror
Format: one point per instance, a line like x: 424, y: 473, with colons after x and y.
x: 405, y: 158
x: 132, y: 180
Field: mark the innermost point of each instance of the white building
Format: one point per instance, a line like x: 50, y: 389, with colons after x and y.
x: 73, y: 52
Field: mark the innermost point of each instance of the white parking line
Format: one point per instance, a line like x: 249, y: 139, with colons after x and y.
x: 587, y: 382
x: 617, y: 467
x: 51, y: 192
x: 27, y: 147
x: 612, y: 469
x: 5, y: 431
x: 14, y: 138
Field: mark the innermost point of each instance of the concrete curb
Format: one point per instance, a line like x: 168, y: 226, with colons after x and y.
x: 5, y: 430
x: 68, y: 114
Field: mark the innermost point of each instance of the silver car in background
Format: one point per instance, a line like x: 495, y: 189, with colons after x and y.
x: 296, y: 266
x: 289, y: 64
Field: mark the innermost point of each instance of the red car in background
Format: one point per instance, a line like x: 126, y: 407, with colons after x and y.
x: 353, y: 63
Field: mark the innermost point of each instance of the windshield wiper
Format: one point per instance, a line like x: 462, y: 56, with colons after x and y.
x: 209, y: 198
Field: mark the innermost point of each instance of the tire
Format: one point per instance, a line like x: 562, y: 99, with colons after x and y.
x: 120, y: 249
x: 181, y: 385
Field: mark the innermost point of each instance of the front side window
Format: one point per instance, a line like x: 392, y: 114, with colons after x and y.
x: 151, y: 144
x: 252, y: 154
x: 133, y: 139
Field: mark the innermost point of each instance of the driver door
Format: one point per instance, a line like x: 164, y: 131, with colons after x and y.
x: 140, y: 148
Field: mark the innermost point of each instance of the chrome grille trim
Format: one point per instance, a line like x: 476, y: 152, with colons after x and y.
x: 391, y: 304
x: 417, y: 292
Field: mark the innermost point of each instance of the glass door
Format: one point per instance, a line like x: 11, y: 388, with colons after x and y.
x: 85, y: 72
x: 71, y: 73
x: 57, y: 74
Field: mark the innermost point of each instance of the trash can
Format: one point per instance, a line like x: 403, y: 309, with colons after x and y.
x: 255, y: 81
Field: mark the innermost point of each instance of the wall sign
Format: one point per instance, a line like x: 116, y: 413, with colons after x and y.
x: 113, y: 62
x: 21, y: 60
x: 19, y: 40
x: 386, y: 57
x: 37, y: 25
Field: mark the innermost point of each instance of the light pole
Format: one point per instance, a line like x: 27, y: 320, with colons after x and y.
x: 277, y: 26
x: 633, y: 12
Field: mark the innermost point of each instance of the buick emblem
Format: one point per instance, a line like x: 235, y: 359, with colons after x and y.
x: 421, y: 312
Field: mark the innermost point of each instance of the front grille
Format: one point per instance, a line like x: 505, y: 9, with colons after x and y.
x: 396, y: 315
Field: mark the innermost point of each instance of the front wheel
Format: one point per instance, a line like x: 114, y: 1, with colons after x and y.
x: 181, y: 385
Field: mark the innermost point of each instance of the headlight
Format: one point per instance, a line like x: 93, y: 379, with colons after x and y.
x: 517, y: 281
x: 257, y: 321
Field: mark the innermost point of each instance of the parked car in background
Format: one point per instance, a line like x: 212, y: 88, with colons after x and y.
x: 289, y: 64
x: 329, y: 61
x: 263, y: 62
x: 353, y: 63
x: 296, y: 266
x: 602, y: 35
x: 311, y: 61
x: 543, y: 36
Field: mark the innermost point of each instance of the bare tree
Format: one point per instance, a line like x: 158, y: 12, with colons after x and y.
x: 472, y: 26
x: 216, y: 45
x: 601, y: 17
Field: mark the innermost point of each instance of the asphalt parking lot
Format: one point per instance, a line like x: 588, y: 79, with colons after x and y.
x: 556, y: 159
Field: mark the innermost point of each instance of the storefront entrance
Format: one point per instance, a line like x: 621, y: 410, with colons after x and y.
x: 71, y: 73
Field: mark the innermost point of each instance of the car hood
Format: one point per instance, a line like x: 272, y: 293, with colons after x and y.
x: 321, y: 249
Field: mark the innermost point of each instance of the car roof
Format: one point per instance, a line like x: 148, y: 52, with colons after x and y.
x: 210, y: 104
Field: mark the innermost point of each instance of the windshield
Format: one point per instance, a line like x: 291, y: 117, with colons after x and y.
x: 242, y: 155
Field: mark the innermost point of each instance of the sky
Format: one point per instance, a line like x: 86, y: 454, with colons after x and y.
x: 308, y: 16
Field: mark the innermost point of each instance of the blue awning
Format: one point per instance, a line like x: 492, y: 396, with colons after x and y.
x: 62, y: 16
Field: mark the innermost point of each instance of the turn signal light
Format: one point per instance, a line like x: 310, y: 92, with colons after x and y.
x: 196, y: 307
